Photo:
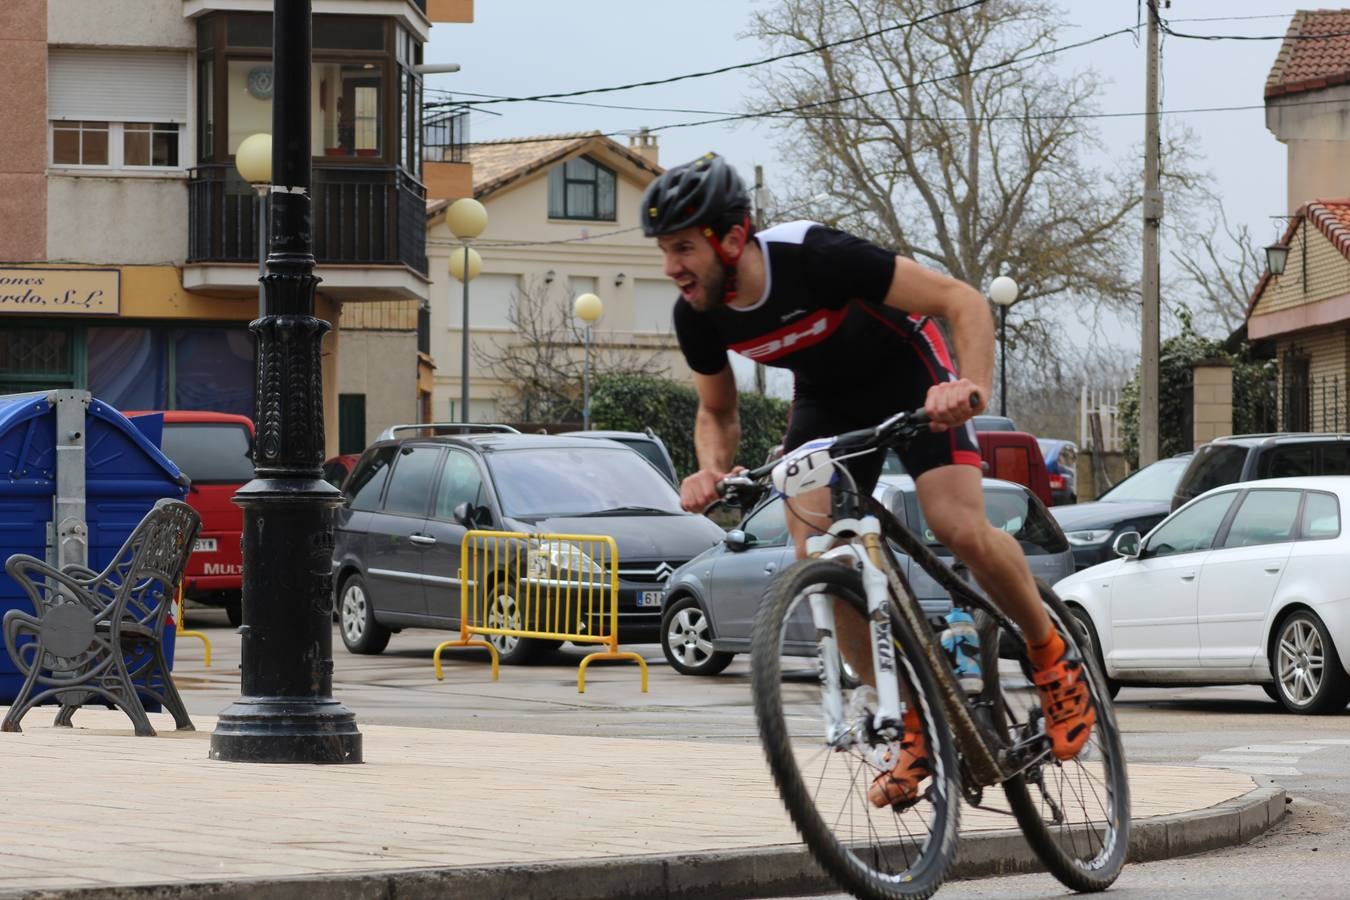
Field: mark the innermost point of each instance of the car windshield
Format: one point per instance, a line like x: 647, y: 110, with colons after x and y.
x: 1153, y: 482
x: 209, y: 452
x: 1214, y: 466
x: 1012, y: 511
x: 649, y: 450
x: 542, y: 482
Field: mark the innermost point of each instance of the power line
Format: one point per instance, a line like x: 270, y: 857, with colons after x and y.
x: 663, y: 109
x: 744, y: 65
x: 1251, y: 37
x: 500, y: 244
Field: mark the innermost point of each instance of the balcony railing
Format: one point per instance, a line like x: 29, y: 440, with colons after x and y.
x: 362, y: 216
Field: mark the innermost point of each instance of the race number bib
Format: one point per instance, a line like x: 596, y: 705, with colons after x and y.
x: 806, y: 468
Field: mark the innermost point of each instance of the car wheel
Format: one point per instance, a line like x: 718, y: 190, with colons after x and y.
x: 1308, y: 674
x: 360, y: 632
x: 504, y: 612
x: 1090, y: 638
x: 686, y: 640
x: 1272, y: 692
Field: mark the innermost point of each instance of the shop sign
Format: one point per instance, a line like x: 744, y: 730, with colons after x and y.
x: 86, y: 292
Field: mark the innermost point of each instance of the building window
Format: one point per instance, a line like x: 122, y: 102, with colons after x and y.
x: 117, y: 109
x: 116, y: 145
x: 80, y: 144
x: 581, y: 189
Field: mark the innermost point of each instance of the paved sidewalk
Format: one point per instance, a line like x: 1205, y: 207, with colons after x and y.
x: 478, y: 814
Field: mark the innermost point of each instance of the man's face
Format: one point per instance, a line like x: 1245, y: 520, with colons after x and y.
x: 691, y: 263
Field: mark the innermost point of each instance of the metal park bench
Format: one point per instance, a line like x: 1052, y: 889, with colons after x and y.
x: 98, y: 636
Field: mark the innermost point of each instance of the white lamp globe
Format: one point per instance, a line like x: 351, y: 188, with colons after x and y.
x: 588, y: 308
x: 466, y: 217
x: 253, y: 159
x: 457, y: 264
x: 1003, y: 290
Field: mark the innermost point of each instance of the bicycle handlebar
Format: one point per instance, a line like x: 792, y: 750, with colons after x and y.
x: 901, y: 426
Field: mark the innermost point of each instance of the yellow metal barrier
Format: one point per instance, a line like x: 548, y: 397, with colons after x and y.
x: 553, y: 587
x: 183, y: 632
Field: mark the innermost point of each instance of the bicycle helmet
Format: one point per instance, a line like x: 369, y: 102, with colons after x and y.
x: 705, y: 192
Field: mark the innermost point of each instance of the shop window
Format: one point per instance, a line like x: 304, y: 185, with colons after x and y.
x: 128, y: 367
x: 33, y: 359
x: 581, y: 189
x: 213, y: 369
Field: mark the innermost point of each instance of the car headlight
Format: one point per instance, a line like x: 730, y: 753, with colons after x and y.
x: 1085, y: 538
x: 564, y: 557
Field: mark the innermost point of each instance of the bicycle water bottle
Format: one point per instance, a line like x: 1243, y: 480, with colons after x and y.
x: 962, y: 643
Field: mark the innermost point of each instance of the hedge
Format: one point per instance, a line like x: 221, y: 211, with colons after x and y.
x: 668, y: 408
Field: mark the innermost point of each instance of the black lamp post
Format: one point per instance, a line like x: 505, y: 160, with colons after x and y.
x: 287, y: 712
x: 1003, y: 291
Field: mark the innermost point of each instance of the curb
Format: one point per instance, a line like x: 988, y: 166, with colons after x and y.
x: 729, y: 875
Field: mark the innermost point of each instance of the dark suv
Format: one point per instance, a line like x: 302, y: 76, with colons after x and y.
x: 1247, y: 457
x: 410, y: 501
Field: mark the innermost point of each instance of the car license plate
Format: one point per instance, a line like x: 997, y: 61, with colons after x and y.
x: 204, y: 545
x: 650, y: 598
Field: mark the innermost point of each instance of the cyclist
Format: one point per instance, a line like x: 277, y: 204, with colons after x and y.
x: 853, y: 322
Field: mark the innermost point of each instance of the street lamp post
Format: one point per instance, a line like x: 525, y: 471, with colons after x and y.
x: 466, y: 218
x: 253, y: 159
x: 287, y: 713
x: 588, y: 308
x: 1003, y: 291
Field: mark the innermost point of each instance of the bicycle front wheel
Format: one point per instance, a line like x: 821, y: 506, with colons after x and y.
x: 1075, y: 813
x: 890, y: 852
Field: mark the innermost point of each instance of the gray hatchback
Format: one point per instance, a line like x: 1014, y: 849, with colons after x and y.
x: 711, y: 601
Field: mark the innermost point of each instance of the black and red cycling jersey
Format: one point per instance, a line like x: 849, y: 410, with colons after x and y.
x: 822, y: 315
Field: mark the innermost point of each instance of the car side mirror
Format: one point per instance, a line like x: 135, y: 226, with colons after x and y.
x: 1127, y: 545
x: 736, y: 540
x: 470, y: 516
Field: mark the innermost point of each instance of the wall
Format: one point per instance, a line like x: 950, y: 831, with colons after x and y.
x: 23, y: 141
x: 105, y: 219
x: 1212, y: 400
x: 1116, y: 469
x: 1328, y: 272
x: 119, y: 23
x: 520, y: 216
x: 391, y: 391
x: 1315, y: 135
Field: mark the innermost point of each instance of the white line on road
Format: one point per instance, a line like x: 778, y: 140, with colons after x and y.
x: 1265, y: 748
x: 1262, y: 770
x: 1227, y: 758
x: 1333, y: 742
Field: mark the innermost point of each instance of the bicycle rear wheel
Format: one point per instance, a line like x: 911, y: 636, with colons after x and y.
x: 894, y: 852
x: 1075, y: 813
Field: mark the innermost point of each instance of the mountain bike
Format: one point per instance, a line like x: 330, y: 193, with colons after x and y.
x: 827, y: 737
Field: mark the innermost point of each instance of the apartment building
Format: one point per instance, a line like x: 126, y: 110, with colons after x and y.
x: 130, y: 252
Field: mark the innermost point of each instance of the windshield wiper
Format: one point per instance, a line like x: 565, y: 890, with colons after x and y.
x: 626, y: 511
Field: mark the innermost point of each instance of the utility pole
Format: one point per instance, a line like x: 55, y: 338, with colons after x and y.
x: 1153, y: 213
x: 759, y: 224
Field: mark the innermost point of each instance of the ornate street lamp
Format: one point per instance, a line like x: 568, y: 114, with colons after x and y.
x: 287, y: 712
x: 588, y: 308
x: 253, y: 159
x: 466, y: 219
x: 1003, y: 291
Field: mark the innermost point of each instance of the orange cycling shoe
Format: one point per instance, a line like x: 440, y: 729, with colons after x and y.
x: 901, y: 784
x: 1069, y: 716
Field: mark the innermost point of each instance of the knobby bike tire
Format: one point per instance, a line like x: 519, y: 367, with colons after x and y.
x: 1099, y: 872
x: 924, y: 875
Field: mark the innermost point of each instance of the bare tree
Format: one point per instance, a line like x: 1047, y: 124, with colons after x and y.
x: 542, y: 361
x: 931, y: 141
x: 1219, y: 267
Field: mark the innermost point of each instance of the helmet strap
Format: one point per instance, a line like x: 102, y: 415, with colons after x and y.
x: 728, y: 261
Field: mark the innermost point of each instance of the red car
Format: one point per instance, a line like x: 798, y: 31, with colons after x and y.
x: 215, y: 450
x: 1015, y: 456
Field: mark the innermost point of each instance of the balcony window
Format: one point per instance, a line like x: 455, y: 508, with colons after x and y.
x: 350, y: 116
x: 581, y: 189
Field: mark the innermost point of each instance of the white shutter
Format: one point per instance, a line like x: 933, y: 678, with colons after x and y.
x: 654, y: 305
x: 117, y: 85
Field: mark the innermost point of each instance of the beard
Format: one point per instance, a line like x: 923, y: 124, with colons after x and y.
x: 714, y: 290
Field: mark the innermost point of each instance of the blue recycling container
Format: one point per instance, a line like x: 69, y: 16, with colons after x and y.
x: 125, y: 474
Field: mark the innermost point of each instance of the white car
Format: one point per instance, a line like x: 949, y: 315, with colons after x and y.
x: 1246, y: 584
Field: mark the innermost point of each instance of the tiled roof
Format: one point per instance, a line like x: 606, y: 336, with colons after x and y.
x: 503, y: 161
x: 1331, y: 217
x: 1307, y: 63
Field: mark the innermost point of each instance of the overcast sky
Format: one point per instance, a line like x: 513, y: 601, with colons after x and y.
x: 525, y: 47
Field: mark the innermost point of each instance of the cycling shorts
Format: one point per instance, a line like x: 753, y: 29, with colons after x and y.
x: 816, y: 414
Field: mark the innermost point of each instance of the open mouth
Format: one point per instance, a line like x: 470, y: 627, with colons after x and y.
x: 687, y: 288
